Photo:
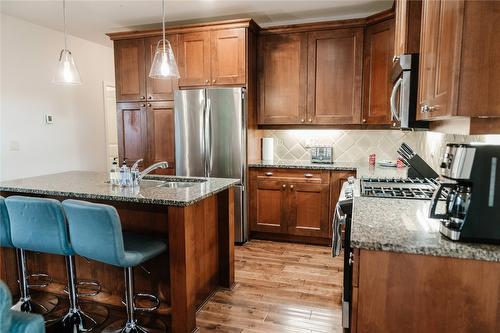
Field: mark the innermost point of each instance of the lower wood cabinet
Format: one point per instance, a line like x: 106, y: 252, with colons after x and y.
x: 294, y: 205
x: 146, y: 131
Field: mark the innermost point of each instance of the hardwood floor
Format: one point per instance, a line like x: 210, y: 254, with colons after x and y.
x: 280, y: 287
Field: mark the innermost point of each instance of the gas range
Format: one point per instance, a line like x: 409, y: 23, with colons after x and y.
x: 400, y: 188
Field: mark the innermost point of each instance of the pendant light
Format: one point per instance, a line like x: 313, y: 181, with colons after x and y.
x: 66, y: 72
x: 164, y: 65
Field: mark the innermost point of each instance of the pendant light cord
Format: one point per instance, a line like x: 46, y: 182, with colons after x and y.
x: 64, y: 20
x: 163, y: 24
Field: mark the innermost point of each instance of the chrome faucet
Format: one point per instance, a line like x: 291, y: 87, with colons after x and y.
x: 152, y: 167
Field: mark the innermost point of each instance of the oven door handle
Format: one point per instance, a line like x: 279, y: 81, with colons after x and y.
x: 338, y: 220
x: 394, y: 111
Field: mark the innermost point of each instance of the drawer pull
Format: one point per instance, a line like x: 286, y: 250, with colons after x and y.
x: 269, y: 173
x: 308, y: 175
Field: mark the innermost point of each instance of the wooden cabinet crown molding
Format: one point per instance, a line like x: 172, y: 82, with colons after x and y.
x: 206, y: 26
x: 329, y: 25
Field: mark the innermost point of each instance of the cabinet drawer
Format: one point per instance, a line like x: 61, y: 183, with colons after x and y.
x: 295, y: 175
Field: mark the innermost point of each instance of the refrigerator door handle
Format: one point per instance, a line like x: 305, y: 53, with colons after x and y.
x: 206, y: 138
x: 208, y: 132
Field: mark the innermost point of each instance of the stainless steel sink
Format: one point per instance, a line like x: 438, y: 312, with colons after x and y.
x: 178, y: 184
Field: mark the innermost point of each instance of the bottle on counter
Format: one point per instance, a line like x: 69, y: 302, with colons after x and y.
x: 114, y: 173
x: 125, y: 174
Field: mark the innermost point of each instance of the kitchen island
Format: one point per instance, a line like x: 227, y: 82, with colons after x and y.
x: 407, y: 277
x: 194, y: 216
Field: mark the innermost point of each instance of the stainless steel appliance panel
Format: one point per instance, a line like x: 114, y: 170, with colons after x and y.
x: 190, y: 150
x: 225, y: 135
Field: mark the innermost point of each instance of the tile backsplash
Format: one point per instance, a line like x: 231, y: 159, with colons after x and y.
x: 356, y: 145
x: 348, y: 145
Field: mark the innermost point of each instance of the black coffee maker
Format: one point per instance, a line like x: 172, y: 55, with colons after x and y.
x: 471, y: 178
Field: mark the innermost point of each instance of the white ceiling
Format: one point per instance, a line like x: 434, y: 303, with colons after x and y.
x: 91, y: 19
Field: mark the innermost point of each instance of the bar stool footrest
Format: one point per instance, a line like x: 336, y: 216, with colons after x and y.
x: 86, y: 285
x: 155, y: 300
x: 45, y: 281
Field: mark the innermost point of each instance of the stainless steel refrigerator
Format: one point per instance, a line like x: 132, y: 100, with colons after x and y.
x: 210, y: 141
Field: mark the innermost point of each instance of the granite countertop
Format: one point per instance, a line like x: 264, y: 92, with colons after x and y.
x: 94, y: 185
x: 402, y: 225
x: 362, y: 169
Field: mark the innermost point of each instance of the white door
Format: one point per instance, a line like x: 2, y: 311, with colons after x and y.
x: 110, y: 121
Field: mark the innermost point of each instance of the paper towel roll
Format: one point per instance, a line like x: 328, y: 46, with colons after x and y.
x: 267, y: 149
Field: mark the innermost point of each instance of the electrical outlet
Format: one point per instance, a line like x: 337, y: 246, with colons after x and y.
x: 14, y: 145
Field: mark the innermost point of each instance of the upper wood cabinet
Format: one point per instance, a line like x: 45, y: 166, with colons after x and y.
x: 215, y: 57
x: 310, y: 77
x: 130, y: 70
x: 378, y: 52
x: 459, y: 67
x: 133, y: 59
x: 407, y: 29
x: 228, y: 56
x: 194, y: 59
x: 282, y: 77
x: 335, y: 60
x: 159, y: 89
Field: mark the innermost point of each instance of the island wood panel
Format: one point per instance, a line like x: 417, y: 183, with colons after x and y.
x: 401, y: 292
x: 161, y: 135
x: 199, y: 258
x: 282, y: 75
x: 130, y: 70
x: 378, y: 50
x: 194, y: 59
x: 132, y: 131
x: 335, y: 64
x: 228, y: 56
x: 160, y: 89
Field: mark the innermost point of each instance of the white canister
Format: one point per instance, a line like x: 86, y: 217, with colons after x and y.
x: 267, y: 149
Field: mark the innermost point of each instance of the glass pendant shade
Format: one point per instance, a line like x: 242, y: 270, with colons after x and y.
x: 164, y: 65
x: 66, y: 72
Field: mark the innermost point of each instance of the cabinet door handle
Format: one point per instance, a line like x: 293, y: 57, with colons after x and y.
x: 143, y: 97
x: 364, y: 120
x: 308, y: 175
x: 302, y: 120
x: 150, y: 97
x: 291, y: 187
x: 149, y: 104
x: 213, y: 81
x: 284, y: 185
x: 206, y: 81
x: 269, y: 173
x: 395, y: 58
x: 310, y: 120
x: 143, y: 105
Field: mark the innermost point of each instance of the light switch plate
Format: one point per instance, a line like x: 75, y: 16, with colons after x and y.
x: 49, y: 119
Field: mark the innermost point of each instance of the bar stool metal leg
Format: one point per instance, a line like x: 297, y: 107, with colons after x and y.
x: 130, y: 326
x: 26, y: 303
x: 75, y: 319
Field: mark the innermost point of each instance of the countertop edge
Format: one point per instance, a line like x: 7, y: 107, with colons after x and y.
x: 476, y: 255
x: 81, y: 195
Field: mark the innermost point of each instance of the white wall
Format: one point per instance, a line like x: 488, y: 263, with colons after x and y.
x: 76, y: 140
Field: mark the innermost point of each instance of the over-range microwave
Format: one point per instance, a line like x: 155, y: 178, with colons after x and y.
x: 403, y: 100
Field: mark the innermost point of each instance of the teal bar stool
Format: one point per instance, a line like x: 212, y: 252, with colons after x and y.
x: 15, y: 321
x: 25, y: 304
x: 39, y: 224
x: 96, y: 233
